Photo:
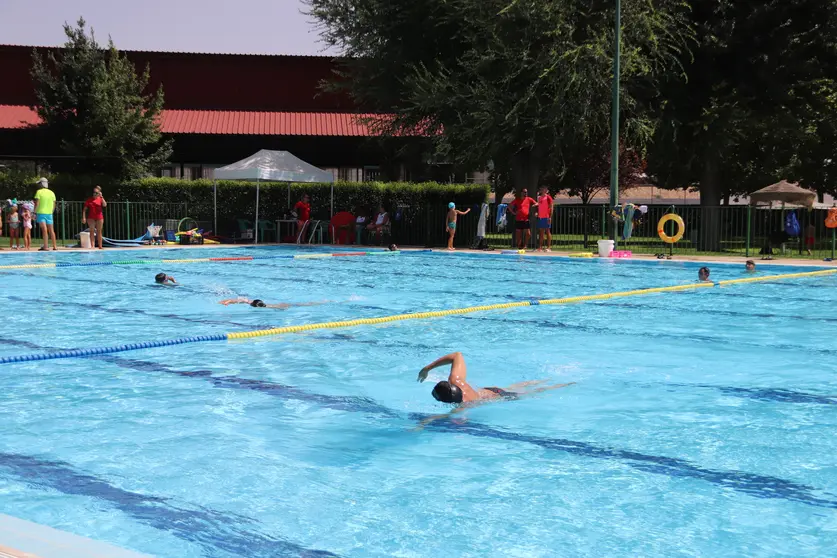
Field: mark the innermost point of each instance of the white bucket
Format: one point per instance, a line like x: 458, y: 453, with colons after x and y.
x: 605, y: 248
x: 84, y: 238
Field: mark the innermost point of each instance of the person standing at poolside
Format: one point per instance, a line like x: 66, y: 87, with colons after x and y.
x: 303, y: 214
x: 545, y: 206
x: 520, y: 209
x: 14, y: 227
x: 94, y: 218
x: 27, y: 228
x: 453, y: 213
x: 44, y: 208
x: 810, y: 233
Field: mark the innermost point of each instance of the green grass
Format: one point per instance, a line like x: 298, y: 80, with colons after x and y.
x: 735, y: 248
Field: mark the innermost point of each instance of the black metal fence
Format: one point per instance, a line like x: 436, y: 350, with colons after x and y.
x: 732, y: 230
x: 123, y: 220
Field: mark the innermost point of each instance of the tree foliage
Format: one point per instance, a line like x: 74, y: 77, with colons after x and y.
x: 516, y: 82
x: 587, y: 170
x: 92, y: 102
x: 758, y: 102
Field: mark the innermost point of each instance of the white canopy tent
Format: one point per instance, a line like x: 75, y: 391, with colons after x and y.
x: 270, y: 166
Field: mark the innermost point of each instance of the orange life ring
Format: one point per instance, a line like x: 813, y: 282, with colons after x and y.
x: 831, y: 218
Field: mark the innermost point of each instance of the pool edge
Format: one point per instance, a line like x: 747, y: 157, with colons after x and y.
x: 20, y: 538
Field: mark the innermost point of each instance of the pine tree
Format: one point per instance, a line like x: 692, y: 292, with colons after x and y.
x: 93, y: 104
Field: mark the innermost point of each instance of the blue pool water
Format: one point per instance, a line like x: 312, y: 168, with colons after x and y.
x: 701, y: 423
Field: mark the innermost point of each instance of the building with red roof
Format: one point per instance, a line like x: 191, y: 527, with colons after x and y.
x: 219, y: 108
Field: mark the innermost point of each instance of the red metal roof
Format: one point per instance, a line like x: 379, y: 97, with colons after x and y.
x: 16, y: 116
x: 218, y: 122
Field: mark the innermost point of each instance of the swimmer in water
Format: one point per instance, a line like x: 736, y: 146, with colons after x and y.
x: 393, y: 248
x: 257, y: 303
x: 703, y: 274
x: 163, y: 279
x: 750, y: 266
x: 456, y: 390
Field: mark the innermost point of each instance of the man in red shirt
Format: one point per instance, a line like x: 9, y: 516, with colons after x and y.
x: 520, y: 209
x: 545, y: 203
x: 303, y: 214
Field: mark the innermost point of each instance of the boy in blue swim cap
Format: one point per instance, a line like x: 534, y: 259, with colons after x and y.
x: 453, y: 213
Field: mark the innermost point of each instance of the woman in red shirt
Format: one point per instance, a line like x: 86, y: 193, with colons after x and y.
x: 303, y: 214
x: 92, y: 215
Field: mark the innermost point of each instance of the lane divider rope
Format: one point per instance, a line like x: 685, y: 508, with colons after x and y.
x: 397, y: 318
x: 759, y: 279
x: 202, y: 260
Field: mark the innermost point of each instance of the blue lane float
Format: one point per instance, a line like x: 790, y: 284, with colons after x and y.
x: 94, y: 351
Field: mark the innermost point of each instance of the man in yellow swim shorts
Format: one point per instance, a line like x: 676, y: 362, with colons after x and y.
x: 44, y: 208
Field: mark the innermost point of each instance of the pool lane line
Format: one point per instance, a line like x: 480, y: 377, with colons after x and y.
x: 759, y: 486
x: 202, y: 260
x: 209, y: 529
x: 387, y: 319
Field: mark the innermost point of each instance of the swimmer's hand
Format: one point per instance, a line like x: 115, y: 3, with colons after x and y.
x: 423, y: 374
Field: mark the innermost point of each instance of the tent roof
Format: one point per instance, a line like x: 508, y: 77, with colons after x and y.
x: 784, y: 191
x: 273, y: 166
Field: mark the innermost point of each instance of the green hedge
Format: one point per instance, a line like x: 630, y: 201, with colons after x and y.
x: 236, y: 200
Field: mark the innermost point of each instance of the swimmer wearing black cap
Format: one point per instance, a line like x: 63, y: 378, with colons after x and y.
x: 163, y: 279
x: 457, y: 391
x: 257, y: 303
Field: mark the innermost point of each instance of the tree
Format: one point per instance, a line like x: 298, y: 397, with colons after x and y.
x: 516, y: 82
x: 92, y: 103
x: 585, y: 173
x: 587, y: 170
x: 759, y: 76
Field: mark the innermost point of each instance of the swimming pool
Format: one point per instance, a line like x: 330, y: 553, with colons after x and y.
x: 701, y: 423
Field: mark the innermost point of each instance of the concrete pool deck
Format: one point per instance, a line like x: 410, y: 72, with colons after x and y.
x: 795, y: 262
x: 25, y: 539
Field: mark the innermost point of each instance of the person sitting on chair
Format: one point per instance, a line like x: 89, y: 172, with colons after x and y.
x: 381, y: 222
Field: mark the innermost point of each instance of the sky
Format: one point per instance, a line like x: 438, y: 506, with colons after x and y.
x: 231, y: 26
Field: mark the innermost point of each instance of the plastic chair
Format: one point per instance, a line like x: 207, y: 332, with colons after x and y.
x: 266, y: 226
x: 343, y: 228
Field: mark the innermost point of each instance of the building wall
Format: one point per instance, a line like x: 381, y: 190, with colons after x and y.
x: 206, y: 81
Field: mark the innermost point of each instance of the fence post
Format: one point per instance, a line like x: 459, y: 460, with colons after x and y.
x: 749, y: 209
x: 833, y: 241
x: 63, y: 226
x: 128, y: 219
x: 604, y: 223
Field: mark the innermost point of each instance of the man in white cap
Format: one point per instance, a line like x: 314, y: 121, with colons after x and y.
x: 44, y: 208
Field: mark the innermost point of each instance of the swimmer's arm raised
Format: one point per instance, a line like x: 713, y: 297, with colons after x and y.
x: 455, y: 359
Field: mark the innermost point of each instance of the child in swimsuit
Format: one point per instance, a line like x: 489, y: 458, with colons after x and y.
x: 451, y: 219
x: 14, y: 227
x: 27, y: 228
